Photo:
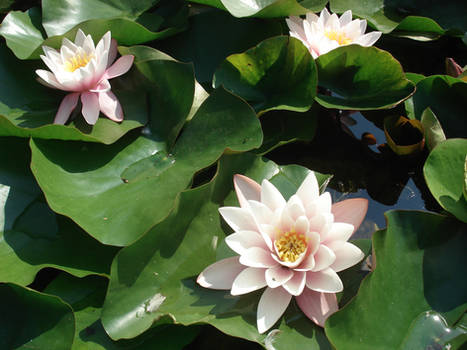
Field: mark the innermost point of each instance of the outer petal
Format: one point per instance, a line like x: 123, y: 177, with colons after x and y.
x: 326, y: 281
x: 347, y: 255
x: 368, y: 39
x: 277, y: 276
x: 68, y: 103
x: 221, y: 274
x: 120, y: 67
x: 257, y: 257
x: 351, y: 211
x: 296, y: 284
x: 308, y: 191
x: 272, y: 305
x: 246, y: 189
x: 110, y: 106
x: 91, y: 108
x: 317, y: 306
x: 238, y: 218
x: 240, y: 241
x: 112, y: 52
x: 346, y: 18
x: 48, y: 79
x: 339, y: 231
x: 271, y: 196
x: 249, y: 280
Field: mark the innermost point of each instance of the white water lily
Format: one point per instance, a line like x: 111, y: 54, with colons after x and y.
x: 293, y: 248
x: 85, y: 70
x: 327, y: 32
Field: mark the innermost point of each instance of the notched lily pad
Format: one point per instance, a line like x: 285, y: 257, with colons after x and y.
x: 405, y: 136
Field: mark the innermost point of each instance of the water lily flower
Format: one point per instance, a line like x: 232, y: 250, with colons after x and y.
x: 84, y: 70
x: 327, y: 32
x: 293, y: 248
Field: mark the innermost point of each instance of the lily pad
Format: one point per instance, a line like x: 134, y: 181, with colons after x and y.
x: 85, y: 296
x: 434, y: 133
x: 445, y: 176
x: 418, y: 260
x: 279, y: 73
x: 116, y: 193
x: 361, y: 78
x: 173, y: 252
x: 404, y: 136
x: 446, y: 98
x: 266, y: 8
x: 34, y: 320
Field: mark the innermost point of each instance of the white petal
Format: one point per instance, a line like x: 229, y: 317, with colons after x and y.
x: 346, y: 18
x: 307, y: 264
x: 295, y: 207
x: 66, y: 43
x: 238, y: 218
x: 88, y: 45
x: 221, y: 274
x: 324, y: 258
x: 324, y: 16
x: 49, y: 79
x: 246, y: 189
x: 257, y: 257
x: 326, y: 281
x: 347, y: 255
x: 362, y: 26
x: 271, y: 196
x: 324, y: 203
x: 249, y: 280
x: 302, y: 225
x: 242, y: 240
x: 261, y: 213
x: 296, y: 284
x: 80, y: 37
x: 286, y: 222
x: 272, y: 305
x: 317, y: 306
x: 278, y: 275
x: 368, y: 39
x: 295, y: 25
x: 110, y: 105
x: 308, y: 191
x: 311, y: 17
x: 90, y: 108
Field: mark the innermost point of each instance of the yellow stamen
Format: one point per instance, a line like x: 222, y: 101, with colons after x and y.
x: 340, y: 37
x: 290, y: 246
x: 81, y: 59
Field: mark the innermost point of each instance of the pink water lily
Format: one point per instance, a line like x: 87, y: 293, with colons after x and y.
x: 85, y: 70
x: 327, y: 32
x: 293, y: 248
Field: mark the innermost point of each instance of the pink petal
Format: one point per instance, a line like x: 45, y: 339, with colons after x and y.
x: 271, y: 196
x: 296, y: 284
x: 308, y: 191
x: 48, y: 79
x: 347, y: 255
x: 317, y: 306
x: 90, y: 108
x: 242, y: 240
x: 272, y: 305
x: 326, y: 281
x: 339, y: 231
x: 324, y: 257
x: 249, y: 280
x: 238, y: 218
x: 109, y: 105
x: 278, y: 275
x: 112, y: 52
x: 103, y: 86
x: 307, y: 264
x: 120, y: 67
x: 351, y: 211
x: 221, y: 274
x: 67, y: 105
x: 246, y: 189
x: 257, y: 257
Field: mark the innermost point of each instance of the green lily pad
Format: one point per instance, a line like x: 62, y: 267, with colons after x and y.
x: 446, y: 98
x: 419, y: 259
x: 86, y: 295
x: 27, y: 108
x: 34, y: 320
x: 444, y: 172
x: 222, y: 35
x: 266, y: 8
x: 117, y: 210
x: 62, y: 18
x: 434, y: 133
x: 31, y: 235
x: 361, y: 78
x: 173, y: 252
x: 387, y: 15
x: 418, y: 28
x: 279, y: 73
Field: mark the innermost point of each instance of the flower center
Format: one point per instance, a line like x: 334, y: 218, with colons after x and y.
x: 290, y: 246
x: 79, y: 60
x: 340, y: 37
